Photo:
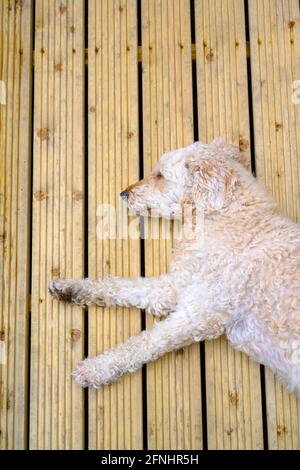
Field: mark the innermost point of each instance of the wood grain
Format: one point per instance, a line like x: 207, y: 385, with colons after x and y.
x: 15, y: 164
x: 115, y: 412
x: 56, y: 402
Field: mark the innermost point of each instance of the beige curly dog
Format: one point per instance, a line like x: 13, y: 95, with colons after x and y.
x: 236, y: 272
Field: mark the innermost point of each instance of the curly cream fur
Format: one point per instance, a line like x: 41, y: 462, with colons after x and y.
x: 237, y: 274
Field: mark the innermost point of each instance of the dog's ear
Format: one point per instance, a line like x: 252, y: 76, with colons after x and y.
x: 233, y: 151
x: 212, y: 183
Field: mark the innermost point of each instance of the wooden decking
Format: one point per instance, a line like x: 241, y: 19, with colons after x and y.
x: 91, y: 93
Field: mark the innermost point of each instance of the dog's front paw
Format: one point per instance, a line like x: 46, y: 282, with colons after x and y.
x: 79, y: 292
x: 61, y: 289
x: 94, y: 372
x: 84, y: 373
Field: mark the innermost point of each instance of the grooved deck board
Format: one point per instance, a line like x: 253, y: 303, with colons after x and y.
x: 15, y: 160
x: 173, y: 382
x: 234, y: 413
x: 275, y: 66
x: 69, y: 143
x: 115, y: 412
x: 57, y: 335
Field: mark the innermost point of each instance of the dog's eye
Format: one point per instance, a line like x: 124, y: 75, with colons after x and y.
x: 159, y: 175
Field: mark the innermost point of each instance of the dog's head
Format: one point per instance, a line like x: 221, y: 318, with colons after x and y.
x: 200, y: 174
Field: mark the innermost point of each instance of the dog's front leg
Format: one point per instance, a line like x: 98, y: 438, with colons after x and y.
x: 167, y: 335
x: 175, y: 332
x: 156, y: 295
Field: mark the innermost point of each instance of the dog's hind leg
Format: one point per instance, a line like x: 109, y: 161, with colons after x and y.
x: 156, y: 295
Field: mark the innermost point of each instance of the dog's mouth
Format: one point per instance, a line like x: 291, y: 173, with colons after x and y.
x: 144, y: 213
x: 143, y: 210
x: 153, y: 213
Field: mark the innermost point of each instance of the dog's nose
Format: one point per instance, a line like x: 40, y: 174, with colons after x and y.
x: 124, y: 194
